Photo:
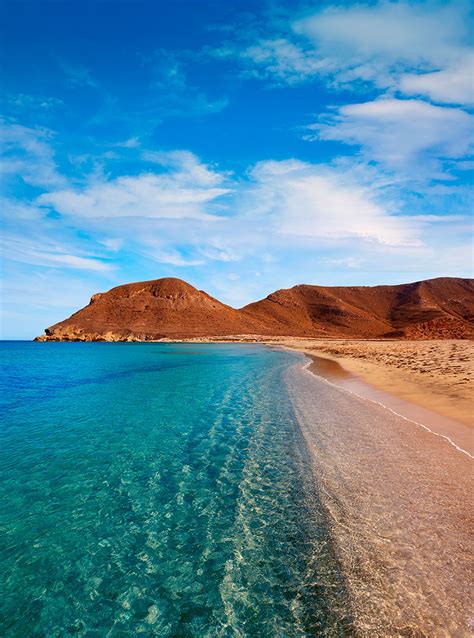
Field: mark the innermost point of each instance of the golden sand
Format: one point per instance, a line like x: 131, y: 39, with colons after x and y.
x: 437, y: 375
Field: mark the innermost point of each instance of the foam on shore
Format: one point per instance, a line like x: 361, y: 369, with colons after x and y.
x: 397, y: 499
x: 367, y: 393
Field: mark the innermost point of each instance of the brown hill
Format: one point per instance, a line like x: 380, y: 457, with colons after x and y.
x: 435, y: 308
x: 150, y: 310
x: 171, y: 308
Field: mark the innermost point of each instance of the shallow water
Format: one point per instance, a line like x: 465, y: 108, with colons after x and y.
x: 210, y: 490
x: 399, y: 507
x: 458, y: 434
x: 162, y: 490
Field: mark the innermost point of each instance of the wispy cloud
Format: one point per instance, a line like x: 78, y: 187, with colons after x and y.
x: 38, y: 251
x: 131, y: 142
x: 218, y: 249
x: 417, y: 48
x: 453, y: 84
x: 113, y: 244
x: 280, y: 61
x: 77, y: 76
x: 173, y: 92
x: 36, y: 297
x: 185, y: 188
x: 26, y: 102
x: 316, y: 201
x: 26, y: 153
x: 173, y: 257
x: 401, y: 134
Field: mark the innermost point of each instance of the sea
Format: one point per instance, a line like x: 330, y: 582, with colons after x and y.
x: 159, y: 490
x: 220, y: 490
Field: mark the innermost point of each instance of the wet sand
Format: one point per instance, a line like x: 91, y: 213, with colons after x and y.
x: 399, y: 504
x: 435, y: 375
x: 429, y: 382
x: 456, y: 433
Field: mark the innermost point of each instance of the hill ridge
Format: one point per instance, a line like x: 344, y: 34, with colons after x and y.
x: 171, y: 308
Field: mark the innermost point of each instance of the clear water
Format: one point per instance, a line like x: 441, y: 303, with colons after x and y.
x: 159, y: 490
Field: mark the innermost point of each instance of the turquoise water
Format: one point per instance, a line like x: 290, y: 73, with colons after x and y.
x: 159, y: 490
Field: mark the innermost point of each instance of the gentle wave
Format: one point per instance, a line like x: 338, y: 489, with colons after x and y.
x: 398, y: 501
x: 307, y: 367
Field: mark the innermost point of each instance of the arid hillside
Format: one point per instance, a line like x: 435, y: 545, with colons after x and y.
x: 172, y: 309
x: 434, y: 309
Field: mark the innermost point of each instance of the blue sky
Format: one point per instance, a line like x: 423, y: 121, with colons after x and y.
x: 241, y: 146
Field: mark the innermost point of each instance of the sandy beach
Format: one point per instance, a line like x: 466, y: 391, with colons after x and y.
x: 398, y: 505
x: 429, y: 382
x: 405, y: 551
x: 436, y: 375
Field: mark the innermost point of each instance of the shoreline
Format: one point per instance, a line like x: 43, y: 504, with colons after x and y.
x: 428, y: 382
x: 410, y: 400
x: 432, y: 378
x: 397, y: 501
x: 435, y: 375
x: 456, y: 434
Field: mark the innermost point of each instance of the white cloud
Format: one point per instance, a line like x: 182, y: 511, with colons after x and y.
x: 38, y: 251
x: 26, y: 153
x: 313, y: 201
x: 417, y: 48
x: 114, y: 244
x: 454, y: 84
x: 346, y: 262
x: 131, y: 142
x: 402, y: 134
x: 28, y: 102
x: 416, y: 55
x: 378, y: 38
x: 186, y: 189
x: 465, y: 165
x: 175, y: 258
x: 19, y: 211
x: 168, y: 249
x: 219, y: 250
x: 185, y: 164
x: 282, y: 59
